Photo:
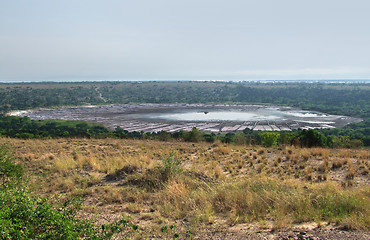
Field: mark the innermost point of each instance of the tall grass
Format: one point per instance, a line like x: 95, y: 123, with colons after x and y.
x: 262, y: 198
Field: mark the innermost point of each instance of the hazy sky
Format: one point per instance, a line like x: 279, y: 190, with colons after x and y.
x: 184, y: 39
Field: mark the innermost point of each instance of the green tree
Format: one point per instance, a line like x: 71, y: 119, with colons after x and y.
x: 269, y: 138
x: 312, y: 138
x: 164, y: 136
x: 239, y: 138
x: 341, y: 141
x: 193, y: 136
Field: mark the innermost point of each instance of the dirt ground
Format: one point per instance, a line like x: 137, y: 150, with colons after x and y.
x: 306, y: 232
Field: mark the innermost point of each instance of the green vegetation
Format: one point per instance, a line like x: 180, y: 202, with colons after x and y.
x: 356, y: 131
x: 23, y: 127
x: 312, y: 138
x: 269, y: 138
x: 10, y: 173
x: 25, y: 216
x: 193, y: 136
x: 27, y: 96
x: 170, y: 167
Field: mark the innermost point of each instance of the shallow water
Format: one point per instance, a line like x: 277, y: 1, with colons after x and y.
x: 261, y: 114
x: 214, y: 116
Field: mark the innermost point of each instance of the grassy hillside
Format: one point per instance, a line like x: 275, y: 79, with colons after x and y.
x: 200, y: 186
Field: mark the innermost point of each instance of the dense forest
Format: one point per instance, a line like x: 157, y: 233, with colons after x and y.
x: 15, y: 96
x: 342, y: 99
x: 352, y: 99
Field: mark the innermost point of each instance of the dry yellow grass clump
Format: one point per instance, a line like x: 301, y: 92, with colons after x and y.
x: 194, y: 185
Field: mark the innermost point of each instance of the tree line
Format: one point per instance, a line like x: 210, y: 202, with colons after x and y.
x: 24, y: 127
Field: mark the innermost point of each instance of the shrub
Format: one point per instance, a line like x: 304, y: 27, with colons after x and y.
x: 157, y: 178
x: 170, y: 167
x: 193, y: 136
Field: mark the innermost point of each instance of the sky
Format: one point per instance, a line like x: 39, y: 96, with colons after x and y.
x: 82, y: 40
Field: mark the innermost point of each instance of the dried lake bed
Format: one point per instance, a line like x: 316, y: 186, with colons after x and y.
x: 206, y: 117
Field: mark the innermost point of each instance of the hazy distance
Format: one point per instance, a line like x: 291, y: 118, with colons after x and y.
x: 83, y: 40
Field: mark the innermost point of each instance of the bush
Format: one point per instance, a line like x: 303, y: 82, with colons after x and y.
x: 157, y: 178
x: 193, y: 136
x: 170, y: 167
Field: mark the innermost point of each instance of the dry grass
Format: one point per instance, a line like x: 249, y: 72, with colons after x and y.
x: 218, y: 183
